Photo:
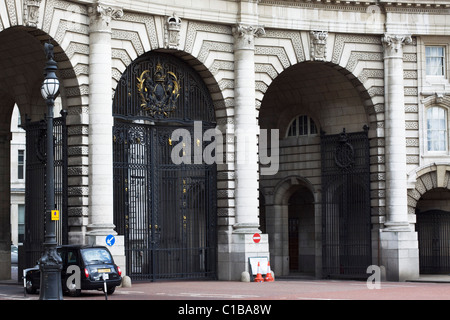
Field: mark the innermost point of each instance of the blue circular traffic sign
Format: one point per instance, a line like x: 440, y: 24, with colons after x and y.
x: 110, y: 240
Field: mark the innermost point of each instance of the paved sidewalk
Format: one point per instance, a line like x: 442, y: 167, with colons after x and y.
x: 437, y: 288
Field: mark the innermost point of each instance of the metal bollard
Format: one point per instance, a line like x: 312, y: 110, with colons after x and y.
x: 105, y: 276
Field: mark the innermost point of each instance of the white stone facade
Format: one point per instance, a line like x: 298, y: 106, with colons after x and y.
x: 345, y: 64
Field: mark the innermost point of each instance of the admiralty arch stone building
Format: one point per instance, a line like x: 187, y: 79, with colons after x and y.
x: 322, y: 126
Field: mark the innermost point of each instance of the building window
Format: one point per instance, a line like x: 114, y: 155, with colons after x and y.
x: 20, y: 164
x: 437, y: 129
x: 302, y: 126
x: 435, y: 57
x: 21, y: 223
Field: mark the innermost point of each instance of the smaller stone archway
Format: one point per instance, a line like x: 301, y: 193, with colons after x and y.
x: 429, y: 200
x: 427, y: 178
x: 291, y: 222
x: 301, y: 232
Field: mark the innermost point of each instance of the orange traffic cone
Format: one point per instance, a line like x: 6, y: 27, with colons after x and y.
x: 269, y: 277
x: 259, y: 277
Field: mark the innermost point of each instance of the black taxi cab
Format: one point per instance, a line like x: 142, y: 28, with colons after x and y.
x: 92, y: 264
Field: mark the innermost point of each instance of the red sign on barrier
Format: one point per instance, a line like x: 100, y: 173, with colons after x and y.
x: 256, y: 238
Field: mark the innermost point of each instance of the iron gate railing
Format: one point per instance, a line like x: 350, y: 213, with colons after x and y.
x: 35, y: 186
x: 166, y: 211
x: 433, y: 231
x: 346, y: 225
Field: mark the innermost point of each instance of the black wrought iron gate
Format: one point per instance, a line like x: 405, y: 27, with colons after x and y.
x: 433, y: 231
x: 165, y: 210
x: 346, y: 226
x: 35, y: 186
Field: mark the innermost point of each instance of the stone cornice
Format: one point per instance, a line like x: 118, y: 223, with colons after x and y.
x: 349, y: 5
x: 417, y: 3
x: 434, y: 7
x: 388, y: 5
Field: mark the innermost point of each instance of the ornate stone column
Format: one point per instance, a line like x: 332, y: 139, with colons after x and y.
x: 398, y: 242
x: 100, y: 123
x: 233, y: 256
x: 246, y: 129
x: 395, y: 137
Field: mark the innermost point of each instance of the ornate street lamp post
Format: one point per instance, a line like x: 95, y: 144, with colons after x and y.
x: 50, y: 263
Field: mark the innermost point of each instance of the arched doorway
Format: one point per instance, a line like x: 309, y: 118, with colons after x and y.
x: 301, y: 225
x: 433, y: 231
x: 165, y: 207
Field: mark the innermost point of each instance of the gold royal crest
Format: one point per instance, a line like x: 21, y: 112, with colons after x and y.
x: 160, y: 93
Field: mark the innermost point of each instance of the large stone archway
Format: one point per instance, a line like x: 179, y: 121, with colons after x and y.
x: 25, y: 26
x: 23, y: 61
x: 166, y: 209
x: 326, y: 94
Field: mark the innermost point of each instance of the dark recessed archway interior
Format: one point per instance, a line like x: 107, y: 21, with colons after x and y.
x: 321, y: 91
x: 22, y: 62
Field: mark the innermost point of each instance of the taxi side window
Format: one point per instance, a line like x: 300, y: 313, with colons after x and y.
x: 72, y: 257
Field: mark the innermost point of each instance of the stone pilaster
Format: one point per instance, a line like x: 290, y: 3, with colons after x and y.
x: 398, y: 241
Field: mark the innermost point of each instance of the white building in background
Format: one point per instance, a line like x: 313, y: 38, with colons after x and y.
x: 18, y: 152
x: 357, y: 91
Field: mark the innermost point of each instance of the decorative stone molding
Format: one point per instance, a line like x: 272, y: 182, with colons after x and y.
x: 355, y: 57
x: 194, y: 27
x: 293, y: 37
x: 101, y: 15
x: 130, y: 36
x: 435, y: 98
x: 172, y: 29
x: 245, y: 34
x: 341, y: 40
x: 31, y: 12
x: 393, y: 44
x: 279, y: 52
x: 318, y: 45
x: 208, y: 46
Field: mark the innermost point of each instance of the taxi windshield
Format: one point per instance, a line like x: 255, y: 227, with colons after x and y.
x: 96, y: 256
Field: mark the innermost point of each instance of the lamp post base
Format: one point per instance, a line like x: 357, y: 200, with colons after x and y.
x: 50, y: 266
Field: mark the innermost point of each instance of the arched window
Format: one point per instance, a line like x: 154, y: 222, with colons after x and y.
x: 436, y: 129
x: 302, y: 126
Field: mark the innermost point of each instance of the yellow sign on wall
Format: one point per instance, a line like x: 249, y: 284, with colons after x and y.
x: 55, y: 215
